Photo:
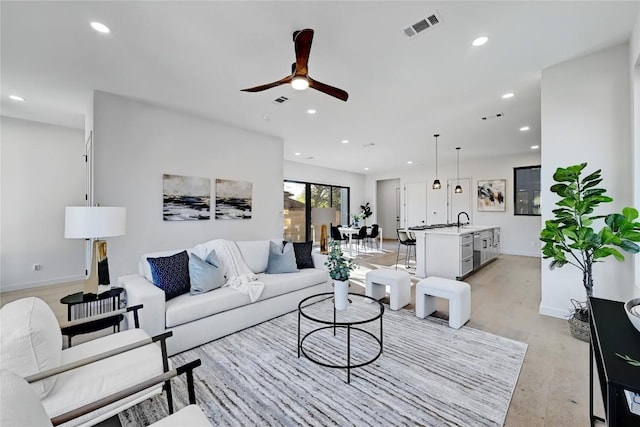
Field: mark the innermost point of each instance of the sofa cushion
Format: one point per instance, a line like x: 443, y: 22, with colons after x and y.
x: 255, y: 254
x: 20, y: 404
x: 281, y: 260
x: 171, y: 274
x: 278, y: 284
x: 90, y: 382
x: 303, y: 254
x: 206, y: 275
x: 31, y: 340
x: 187, y: 308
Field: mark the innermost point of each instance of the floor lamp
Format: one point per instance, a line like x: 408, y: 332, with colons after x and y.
x: 322, y: 217
x: 95, y: 222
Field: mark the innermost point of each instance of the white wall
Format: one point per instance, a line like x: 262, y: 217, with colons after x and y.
x: 42, y: 171
x: 136, y: 143
x: 318, y: 175
x: 586, y: 118
x: 519, y: 234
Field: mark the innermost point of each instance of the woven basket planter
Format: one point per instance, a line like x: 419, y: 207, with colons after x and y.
x: 579, y: 329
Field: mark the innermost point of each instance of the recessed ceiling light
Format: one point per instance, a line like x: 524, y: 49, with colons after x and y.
x: 16, y: 98
x: 366, y: 169
x: 535, y: 147
x: 296, y: 154
x: 101, y: 28
x: 409, y: 162
x: 311, y: 111
x: 345, y: 141
x: 480, y: 41
x: 508, y: 95
x: 524, y: 128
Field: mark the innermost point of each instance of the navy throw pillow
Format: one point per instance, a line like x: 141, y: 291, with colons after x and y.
x: 171, y: 274
x: 303, y: 254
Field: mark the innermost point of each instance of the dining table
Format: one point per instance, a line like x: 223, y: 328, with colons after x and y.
x: 350, y: 231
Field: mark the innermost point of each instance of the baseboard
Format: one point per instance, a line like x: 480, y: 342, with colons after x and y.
x: 553, y: 312
x: 40, y: 283
x: 535, y: 254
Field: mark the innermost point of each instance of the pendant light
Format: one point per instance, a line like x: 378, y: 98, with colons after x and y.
x: 436, y: 182
x: 458, y: 187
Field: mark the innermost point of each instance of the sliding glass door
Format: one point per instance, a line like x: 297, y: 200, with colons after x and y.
x: 301, y: 197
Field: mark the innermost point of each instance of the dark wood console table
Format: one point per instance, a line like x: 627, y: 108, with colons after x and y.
x: 611, y: 333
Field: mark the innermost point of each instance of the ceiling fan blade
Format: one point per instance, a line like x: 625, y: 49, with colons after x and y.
x: 282, y: 81
x: 329, y: 90
x: 302, y: 40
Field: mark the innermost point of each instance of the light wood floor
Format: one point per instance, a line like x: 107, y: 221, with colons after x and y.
x: 552, y: 389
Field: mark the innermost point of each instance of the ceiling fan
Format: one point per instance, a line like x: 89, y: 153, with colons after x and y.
x: 299, y: 78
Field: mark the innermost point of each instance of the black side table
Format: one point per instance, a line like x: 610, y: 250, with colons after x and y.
x: 611, y: 333
x: 81, y: 305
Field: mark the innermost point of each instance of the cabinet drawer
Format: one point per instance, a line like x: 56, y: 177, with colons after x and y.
x: 466, y: 250
x: 466, y: 238
x: 466, y: 266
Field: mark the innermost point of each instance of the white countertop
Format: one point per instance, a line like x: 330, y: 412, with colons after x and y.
x: 454, y: 231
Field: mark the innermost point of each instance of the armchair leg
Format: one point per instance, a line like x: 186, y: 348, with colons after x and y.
x: 165, y: 367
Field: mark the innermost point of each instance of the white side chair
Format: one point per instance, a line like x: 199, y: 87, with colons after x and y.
x: 64, y: 380
x: 21, y: 406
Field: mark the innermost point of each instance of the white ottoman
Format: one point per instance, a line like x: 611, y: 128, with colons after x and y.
x: 458, y: 294
x: 398, y: 281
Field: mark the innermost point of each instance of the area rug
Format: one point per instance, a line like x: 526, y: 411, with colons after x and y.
x: 427, y: 375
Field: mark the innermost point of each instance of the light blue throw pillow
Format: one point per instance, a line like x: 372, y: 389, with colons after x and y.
x: 281, y: 261
x: 205, y: 275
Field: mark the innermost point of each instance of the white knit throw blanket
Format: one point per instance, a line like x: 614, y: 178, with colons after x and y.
x: 239, y: 275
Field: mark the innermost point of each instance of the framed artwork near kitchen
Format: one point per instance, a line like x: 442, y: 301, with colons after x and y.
x: 492, y: 195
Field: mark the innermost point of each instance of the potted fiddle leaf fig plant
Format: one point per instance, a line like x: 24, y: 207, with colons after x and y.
x: 571, y: 238
x: 339, y: 270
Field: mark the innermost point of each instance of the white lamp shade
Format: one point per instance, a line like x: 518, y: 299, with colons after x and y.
x: 87, y: 222
x: 323, y: 215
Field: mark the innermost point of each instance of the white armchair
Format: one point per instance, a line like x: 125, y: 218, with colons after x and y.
x: 66, y: 379
x: 21, y: 406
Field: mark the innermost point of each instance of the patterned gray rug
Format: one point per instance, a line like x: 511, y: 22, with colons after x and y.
x: 427, y: 375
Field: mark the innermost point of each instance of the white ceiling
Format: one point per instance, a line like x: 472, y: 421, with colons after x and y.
x: 196, y: 56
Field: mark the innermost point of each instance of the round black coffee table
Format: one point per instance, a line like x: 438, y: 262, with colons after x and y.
x: 319, y: 309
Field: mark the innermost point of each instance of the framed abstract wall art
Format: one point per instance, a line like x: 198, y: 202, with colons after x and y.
x: 491, y: 195
x: 233, y: 199
x: 186, y: 198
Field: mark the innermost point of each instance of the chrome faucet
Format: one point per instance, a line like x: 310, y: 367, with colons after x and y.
x: 465, y: 214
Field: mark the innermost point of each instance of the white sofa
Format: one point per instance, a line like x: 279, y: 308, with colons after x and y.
x: 198, y: 319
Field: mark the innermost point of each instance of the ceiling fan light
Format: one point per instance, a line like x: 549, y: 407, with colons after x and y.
x: 436, y: 184
x: 299, y: 83
x: 458, y: 189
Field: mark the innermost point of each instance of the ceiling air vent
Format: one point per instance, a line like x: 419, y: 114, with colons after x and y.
x: 280, y: 100
x: 493, y: 116
x: 424, y: 24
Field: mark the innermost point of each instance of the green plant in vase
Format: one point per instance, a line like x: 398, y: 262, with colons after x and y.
x: 570, y: 238
x: 339, y: 268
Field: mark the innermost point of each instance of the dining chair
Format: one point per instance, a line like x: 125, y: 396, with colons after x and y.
x: 361, y: 237
x: 405, y: 240
x: 336, y: 235
x: 373, y: 236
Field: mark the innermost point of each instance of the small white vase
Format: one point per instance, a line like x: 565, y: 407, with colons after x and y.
x: 341, y: 294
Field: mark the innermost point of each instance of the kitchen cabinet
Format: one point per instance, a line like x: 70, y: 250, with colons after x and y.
x: 453, y: 252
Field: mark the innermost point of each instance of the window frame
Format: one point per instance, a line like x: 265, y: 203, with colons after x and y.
x: 531, y: 191
x: 307, y: 191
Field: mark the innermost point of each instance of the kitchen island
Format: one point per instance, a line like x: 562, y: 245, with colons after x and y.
x: 454, y: 252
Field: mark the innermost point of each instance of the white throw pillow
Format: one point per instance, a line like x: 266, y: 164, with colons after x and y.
x: 31, y: 340
x: 20, y: 405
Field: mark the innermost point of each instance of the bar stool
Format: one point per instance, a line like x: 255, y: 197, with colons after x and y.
x: 408, y: 242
